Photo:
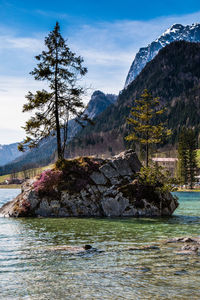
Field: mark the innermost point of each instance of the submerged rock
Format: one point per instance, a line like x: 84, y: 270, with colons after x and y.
x: 144, y: 248
x: 191, y: 245
x: 71, y: 249
x: 193, y: 240
x: 143, y: 269
x: 181, y: 272
x: 104, y: 188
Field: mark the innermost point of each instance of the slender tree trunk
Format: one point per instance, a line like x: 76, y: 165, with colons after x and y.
x: 147, y: 149
x: 58, y: 128
x: 59, y: 148
x: 191, y: 168
x: 147, y: 138
x: 147, y: 154
x: 65, y: 129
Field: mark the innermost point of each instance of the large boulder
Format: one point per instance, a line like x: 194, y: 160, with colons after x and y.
x: 107, y: 189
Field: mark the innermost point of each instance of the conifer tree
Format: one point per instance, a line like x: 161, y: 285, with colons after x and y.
x: 187, y: 156
x: 143, y: 116
x: 61, y: 68
x: 182, y: 159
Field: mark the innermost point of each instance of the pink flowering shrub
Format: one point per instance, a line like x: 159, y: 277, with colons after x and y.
x: 48, y: 181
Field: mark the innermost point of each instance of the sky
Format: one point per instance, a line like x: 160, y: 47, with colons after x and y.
x: 107, y: 34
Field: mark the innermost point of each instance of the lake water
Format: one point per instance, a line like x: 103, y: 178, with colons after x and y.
x: 31, y: 268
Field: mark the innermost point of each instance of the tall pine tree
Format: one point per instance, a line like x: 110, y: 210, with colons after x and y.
x: 187, y: 163
x: 147, y: 130
x: 61, y: 68
x: 182, y: 159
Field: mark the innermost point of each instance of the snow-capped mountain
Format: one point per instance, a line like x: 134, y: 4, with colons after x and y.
x: 177, y: 32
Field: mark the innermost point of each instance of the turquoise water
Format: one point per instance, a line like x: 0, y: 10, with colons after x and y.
x: 31, y: 267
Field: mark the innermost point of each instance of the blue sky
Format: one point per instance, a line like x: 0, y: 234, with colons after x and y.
x: 107, y: 34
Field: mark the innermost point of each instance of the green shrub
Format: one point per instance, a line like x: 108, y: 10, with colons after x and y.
x: 155, y: 176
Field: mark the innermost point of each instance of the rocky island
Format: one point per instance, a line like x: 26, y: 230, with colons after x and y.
x: 91, y: 187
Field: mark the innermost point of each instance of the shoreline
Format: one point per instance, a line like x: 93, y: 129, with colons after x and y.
x: 188, y: 190
x: 10, y: 186
x: 18, y: 186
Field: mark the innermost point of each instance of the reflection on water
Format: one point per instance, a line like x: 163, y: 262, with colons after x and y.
x: 31, y: 269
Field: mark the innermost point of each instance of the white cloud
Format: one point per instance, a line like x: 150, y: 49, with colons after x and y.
x: 12, y: 98
x: 52, y: 14
x: 12, y: 39
x: 30, y: 44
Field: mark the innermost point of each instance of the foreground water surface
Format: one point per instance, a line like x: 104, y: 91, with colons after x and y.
x: 30, y: 268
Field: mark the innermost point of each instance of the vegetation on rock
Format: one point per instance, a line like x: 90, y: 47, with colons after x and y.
x: 156, y: 177
x: 76, y: 173
x: 71, y: 175
x: 151, y: 184
x: 48, y: 182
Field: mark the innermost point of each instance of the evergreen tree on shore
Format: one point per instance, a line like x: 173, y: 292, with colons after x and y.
x: 61, y: 68
x: 182, y: 159
x: 187, y: 164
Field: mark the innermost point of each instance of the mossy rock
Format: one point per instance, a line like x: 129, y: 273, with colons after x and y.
x: 136, y: 192
x: 76, y: 173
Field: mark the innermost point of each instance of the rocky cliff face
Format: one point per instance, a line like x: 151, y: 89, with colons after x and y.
x: 177, y: 32
x: 98, y: 103
x: 111, y: 191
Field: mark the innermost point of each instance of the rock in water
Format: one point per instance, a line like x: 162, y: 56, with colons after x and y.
x: 107, y: 189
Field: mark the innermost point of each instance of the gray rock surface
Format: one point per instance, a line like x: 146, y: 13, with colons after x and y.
x: 98, y: 178
x: 109, y: 193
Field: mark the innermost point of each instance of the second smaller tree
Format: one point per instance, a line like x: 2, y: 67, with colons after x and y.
x: 147, y: 130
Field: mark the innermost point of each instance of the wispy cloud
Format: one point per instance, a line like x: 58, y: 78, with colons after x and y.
x: 52, y: 14
x: 31, y: 44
